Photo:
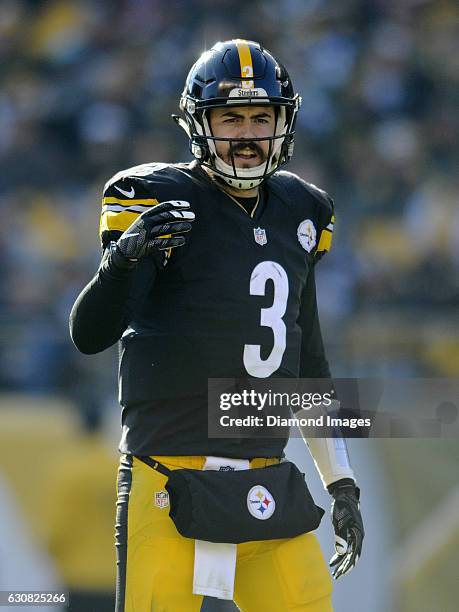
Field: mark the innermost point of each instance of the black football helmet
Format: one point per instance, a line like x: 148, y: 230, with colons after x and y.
x: 232, y: 73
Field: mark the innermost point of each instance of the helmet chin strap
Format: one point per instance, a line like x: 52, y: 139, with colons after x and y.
x: 245, y: 176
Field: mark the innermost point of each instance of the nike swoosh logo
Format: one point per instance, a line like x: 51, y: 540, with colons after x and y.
x: 128, y: 194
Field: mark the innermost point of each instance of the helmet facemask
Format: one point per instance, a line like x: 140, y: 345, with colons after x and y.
x: 203, y: 142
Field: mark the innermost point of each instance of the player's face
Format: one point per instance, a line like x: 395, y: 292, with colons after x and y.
x: 243, y: 122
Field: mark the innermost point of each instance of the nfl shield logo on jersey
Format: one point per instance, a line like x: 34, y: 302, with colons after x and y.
x: 260, y: 236
x: 161, y: 499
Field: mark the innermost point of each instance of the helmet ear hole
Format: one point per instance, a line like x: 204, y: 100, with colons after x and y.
x: 199, y: 149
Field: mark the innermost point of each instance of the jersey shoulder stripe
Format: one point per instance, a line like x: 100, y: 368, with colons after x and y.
x: 131, y: 192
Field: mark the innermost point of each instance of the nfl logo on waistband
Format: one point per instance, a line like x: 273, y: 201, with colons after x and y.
x: 260, y: 236
x: 161, y: 499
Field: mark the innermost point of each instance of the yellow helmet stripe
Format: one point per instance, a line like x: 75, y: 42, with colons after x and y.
x: 245, y: 58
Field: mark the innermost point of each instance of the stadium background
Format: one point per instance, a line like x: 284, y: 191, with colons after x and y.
x: 87, y: 88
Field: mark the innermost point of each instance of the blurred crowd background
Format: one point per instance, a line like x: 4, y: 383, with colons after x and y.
x: 87, y: 88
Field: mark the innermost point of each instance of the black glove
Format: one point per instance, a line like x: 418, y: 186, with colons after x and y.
x: 348, y: 526
x: 154, y: 231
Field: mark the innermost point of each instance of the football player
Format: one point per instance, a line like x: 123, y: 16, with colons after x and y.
x: 208, y: 272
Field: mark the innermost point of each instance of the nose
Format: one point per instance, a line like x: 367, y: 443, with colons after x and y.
x: 246, y: 130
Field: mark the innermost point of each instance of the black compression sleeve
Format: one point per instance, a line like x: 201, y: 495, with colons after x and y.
x: 313, y: 363
x: 104, y: 308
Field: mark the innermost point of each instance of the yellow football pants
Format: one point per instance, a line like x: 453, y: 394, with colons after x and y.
x: 155, y: 563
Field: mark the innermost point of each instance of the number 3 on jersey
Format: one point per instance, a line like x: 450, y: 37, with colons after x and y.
x: 269, y: 317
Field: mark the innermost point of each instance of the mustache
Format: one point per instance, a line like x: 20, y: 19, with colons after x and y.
x: 254, y: 147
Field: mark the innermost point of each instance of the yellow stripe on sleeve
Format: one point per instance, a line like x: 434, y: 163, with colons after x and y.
x: 118, y: 219
x: 145, y: 202
x: 110, y: 221
x: 325, y: 241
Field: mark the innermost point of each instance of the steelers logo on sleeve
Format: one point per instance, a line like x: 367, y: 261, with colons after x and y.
x: 260, y: 503
x: 307, y: 235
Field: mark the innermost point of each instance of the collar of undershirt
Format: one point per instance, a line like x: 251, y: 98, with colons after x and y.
x: 247, y: 203
x: 250, y: 205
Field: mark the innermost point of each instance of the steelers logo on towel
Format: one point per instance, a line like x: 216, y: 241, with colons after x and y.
x: 260, y: 503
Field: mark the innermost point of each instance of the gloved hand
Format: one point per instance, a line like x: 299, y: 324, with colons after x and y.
x: 348, y: 526
x: 155, y: 230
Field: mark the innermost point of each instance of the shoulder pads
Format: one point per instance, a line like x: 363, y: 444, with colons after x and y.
x: 136, y: 173
x: 131, y: 192
x: 310, y: 204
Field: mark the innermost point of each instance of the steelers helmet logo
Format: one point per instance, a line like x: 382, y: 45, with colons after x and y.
x: 260, y: 503
x: 306, y: 233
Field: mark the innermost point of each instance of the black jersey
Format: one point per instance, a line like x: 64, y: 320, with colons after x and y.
x: 238, y: 299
